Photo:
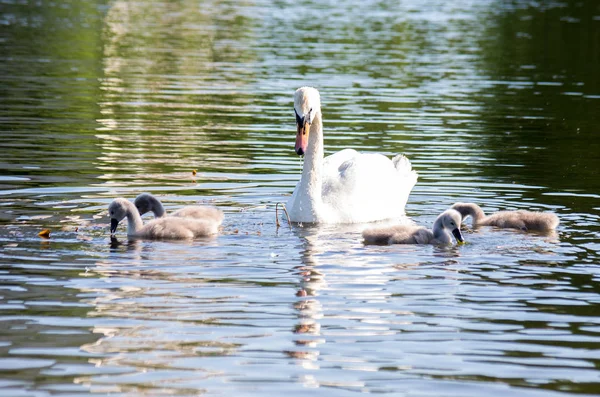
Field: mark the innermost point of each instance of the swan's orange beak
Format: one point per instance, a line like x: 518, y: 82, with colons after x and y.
x: 303, y: 128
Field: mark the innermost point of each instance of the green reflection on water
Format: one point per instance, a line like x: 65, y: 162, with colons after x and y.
x: 543, y: 113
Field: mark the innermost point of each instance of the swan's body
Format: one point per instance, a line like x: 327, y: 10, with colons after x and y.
x: 167, y: 228
x: 146, y: 202
x: 447, y: 221
x: 348, y: 186
x: 523, y: 220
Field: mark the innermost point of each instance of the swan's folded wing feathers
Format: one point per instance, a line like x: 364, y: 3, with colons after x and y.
x: 404, y: 169
x: 402, y: 163
x: 333, y: 161
x: 366, y: 187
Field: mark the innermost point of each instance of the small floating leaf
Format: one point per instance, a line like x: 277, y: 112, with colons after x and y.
x: 44, y: 233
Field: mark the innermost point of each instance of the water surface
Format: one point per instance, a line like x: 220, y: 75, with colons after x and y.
x: 492, y: 101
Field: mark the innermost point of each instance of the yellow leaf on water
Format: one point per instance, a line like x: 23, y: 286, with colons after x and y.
x: 44, y: 233
x: 194, y: 172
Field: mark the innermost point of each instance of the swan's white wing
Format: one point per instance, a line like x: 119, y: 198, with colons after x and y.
x: 335, y: 160
x: 363, y: 187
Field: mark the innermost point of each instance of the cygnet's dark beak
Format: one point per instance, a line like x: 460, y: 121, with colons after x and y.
x: 113, y: 225
x: 458, y: 235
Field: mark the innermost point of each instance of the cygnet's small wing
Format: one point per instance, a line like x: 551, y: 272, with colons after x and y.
x: 177, y: 228
x: 379, y: 236
x: 400, y: 234
x: 208, y: 213
x: 539, y: 221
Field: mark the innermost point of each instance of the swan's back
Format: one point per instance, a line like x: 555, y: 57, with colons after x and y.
x: 365, y: 187
x: 177, y: 228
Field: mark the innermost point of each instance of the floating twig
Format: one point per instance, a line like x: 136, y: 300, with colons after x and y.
x: 277, y: 215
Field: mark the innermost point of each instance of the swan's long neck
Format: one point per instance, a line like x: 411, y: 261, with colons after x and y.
x: 311, y: 184
x: 134, y: 220
x: 440, y: 233
x: 157, y: 207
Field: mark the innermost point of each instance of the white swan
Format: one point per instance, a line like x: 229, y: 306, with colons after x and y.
x: 346, y: 187
x: 146, y: 202
x: 523, y: 220
x: 448, y: 220
x: 167, y: 228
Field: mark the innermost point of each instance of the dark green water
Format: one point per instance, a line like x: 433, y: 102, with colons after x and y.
x: 496, y: 102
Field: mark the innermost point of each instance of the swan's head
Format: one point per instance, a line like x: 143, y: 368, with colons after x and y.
x: 144, y: 203
x: 117, y: 210
x: 451, y: 220
x: 307, y: 103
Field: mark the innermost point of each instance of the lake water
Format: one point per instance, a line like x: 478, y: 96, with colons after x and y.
x: 495, y: 102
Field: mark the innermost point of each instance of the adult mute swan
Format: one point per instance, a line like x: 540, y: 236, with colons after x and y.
x: 167, y: 228
x: 146, y: 202
x: 346, y: 187
x: 448, y: 220
x: 523, y: 220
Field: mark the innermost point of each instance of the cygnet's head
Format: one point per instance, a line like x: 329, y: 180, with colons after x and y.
x: 451, y: 220
x: 144, y: 203
x: 307, y: 103
x: 117, y: 210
